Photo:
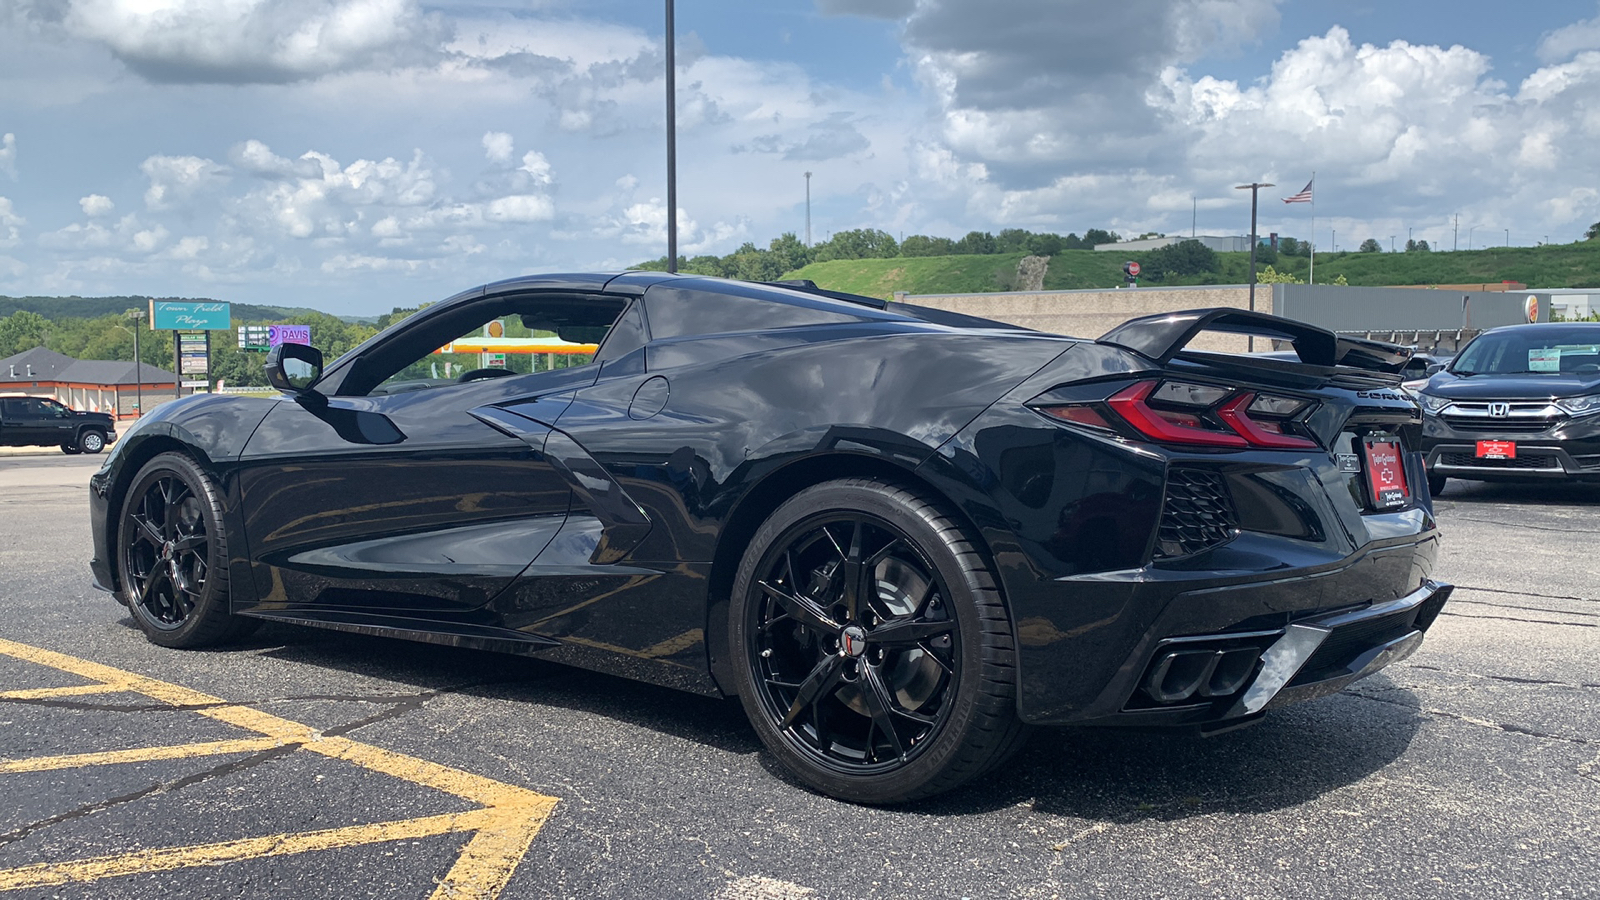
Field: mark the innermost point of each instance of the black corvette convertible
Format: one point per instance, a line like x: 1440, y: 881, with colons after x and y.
x: 898, y: 535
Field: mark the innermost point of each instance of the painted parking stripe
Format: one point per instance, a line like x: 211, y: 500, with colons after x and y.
x: 502, y: 830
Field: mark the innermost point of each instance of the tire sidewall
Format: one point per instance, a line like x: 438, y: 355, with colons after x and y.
x: 213, y: 599
x: 791, y: 519
x: 91, y: 441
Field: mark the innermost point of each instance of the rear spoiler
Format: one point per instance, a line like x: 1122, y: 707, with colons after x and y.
x: 1162, y: 337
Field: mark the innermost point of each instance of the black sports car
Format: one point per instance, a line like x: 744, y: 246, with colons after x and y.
x: 898, y: 535
x: 1520, y: 403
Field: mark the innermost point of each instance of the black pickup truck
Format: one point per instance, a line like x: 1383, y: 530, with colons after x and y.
x: 40, y: 422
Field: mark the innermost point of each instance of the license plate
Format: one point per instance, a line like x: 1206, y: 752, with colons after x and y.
x: 1386, y: 473
x: 1497, y: 449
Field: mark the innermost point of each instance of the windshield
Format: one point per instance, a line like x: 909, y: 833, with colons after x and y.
x: 1517, y: 352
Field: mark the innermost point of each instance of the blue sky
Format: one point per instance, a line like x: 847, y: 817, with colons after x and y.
x: 357, y: 155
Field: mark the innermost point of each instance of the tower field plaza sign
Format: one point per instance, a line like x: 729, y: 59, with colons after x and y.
x: 172, y: 316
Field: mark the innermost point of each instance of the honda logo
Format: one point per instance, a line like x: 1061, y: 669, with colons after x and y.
x: 1500, y: 410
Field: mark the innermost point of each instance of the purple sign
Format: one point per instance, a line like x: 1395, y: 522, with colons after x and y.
x: 288, y: 334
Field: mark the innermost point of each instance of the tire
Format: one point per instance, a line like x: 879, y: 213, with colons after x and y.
x: 172, y: 556
x: 70, y: 449
x: 92, y: 440
x: 1436, y: 484
x: 871, y: 648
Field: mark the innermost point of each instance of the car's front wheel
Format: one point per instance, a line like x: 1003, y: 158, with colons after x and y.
x: 92, y: 441
x: 173, y: 556
x: 873, y: 653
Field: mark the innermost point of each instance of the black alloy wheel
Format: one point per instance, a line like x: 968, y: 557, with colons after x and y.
x: 173, y: 560
x: 92, y: 441
x: 875, y: 655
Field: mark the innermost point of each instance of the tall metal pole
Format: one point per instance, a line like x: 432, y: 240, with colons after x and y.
x: 138, y: 370
x: 808, y: 209
x: 1254, y: 188
x: 1455, y: 236
x: 672, y: 144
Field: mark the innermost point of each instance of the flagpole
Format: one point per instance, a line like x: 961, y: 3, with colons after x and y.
x: 1313, y: 277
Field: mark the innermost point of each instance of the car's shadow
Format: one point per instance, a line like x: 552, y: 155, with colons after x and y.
x: 1294, y: 755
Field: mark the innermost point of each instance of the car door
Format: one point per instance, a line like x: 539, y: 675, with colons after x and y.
x: 57, y: 424
x: 402, y: 503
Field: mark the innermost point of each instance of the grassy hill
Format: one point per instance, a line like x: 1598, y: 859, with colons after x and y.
x: 94, y: 307
x: 1550, y: 266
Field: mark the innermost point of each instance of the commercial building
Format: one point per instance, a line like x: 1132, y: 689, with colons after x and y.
x: 94, y: 385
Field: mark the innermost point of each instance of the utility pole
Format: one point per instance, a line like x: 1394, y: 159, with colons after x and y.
x: 1508, y: 237
x: 1455, y: 238
x: 808, y: 209
x: 1391, y: 243
x: 1194, y: 215
x: 1470, y: 230
x: 1254, y: 188
x: 138, y: 367
x: 672, y: 145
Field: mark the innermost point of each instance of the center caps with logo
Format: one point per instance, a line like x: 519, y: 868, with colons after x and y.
x: 853, y: 641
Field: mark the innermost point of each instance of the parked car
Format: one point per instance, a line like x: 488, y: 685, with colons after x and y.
x: 898, y: 535
x: 1520, y: 403
x: 40, y: 422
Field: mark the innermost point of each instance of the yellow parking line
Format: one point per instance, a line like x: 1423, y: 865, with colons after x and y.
x: 166, y: 859
x: 77, y: 690
x: 143, y: 754
x: 504, y: 828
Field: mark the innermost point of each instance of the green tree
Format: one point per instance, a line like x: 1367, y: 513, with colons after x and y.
x: 859, y: 243
x: 1094, y: 237
x: 21, y: 331
x: 1182, y: 258
x: 977, y: 243
x: 1073, y: 242
x: 1012, y: 240
x: 1371, y: 245
x: 789, y: 252
x: 923, y: 245
x: 1593, y: 234
x: 1046, y: 244
x: 1289, y: 246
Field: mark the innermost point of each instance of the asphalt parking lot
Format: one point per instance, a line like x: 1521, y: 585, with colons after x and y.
x: 313, y: 764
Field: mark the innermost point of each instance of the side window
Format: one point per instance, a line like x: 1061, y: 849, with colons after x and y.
x: 52, y: 408
x: 675, y: 311
x: 10, y: 408
x: 39, y: 409
x: 492, y: 337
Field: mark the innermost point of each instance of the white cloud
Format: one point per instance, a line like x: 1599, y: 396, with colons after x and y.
x: 520, y: 208
x: 128, y: 237
x: 1564, y: 43
x: 176, y: 179
x: 246, y: 41
x: 8, y: 154
x: 10, y: 224
x: 497, y: 146
x: 96, y: 205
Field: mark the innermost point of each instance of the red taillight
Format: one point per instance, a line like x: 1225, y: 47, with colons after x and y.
x: 1236, y: 413
x: 1167, y: 426
x: 1198, y: 415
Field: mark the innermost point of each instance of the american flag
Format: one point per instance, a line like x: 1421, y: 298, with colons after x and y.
x: 1304, y: 196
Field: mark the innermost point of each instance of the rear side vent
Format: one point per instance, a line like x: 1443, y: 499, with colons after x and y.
x: 1198, y: 513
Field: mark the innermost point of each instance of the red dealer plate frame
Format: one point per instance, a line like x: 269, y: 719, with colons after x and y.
x: 1497, y: 450
x: 1386, y: 473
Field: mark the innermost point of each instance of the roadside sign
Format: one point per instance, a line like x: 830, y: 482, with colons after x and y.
x: 288, y: 334
x: 166, y: 315
x: 1132, y: 268
x: 496, y: 360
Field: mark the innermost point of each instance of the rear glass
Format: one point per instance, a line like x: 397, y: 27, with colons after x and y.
x: 1522, y: 353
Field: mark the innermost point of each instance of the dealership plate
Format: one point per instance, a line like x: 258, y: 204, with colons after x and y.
x: 1386, y: 473
x: 1497, y: 449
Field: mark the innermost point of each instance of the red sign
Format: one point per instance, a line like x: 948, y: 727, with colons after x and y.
x: 1497, y: 449
x: 1132, y: 268
x: 1386, y: 474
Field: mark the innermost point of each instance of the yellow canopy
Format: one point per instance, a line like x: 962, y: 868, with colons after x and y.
x: 516, y: 345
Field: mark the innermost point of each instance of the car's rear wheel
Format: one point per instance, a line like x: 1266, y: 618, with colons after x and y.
x: 70, y: 449
x: 92, y: 441
x: 873, y: 652
x: 173, y: 556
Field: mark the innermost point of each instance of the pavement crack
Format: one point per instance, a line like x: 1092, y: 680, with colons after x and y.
x: 1507, y: 727
x: 1525, y: 621
x: 1509, y: 679
x: 228, y: 768
x: 1521, y: 525
x: 1489, y: 590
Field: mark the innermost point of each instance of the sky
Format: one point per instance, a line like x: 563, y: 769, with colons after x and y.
x: 360, y: 155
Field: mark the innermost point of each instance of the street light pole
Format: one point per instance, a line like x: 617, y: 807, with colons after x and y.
x: 1254, y: 188
x: 672, y: 145
x: 1470, y: 230
x: 808, y: 209
x: 1508, y: 237
x: 138, y: 369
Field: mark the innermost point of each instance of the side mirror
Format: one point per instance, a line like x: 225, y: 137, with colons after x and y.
x: 293, y: 368
x: 1434, y: 369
